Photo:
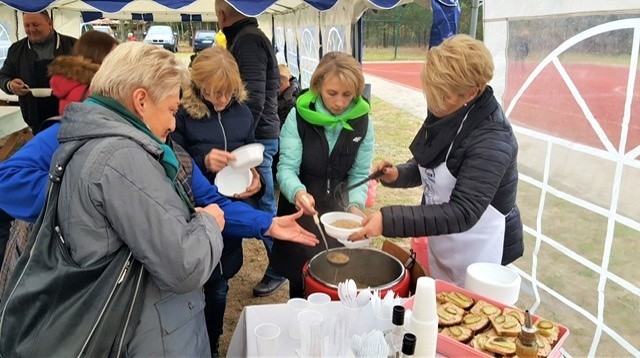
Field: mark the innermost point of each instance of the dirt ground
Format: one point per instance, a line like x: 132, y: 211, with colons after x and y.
x: 241, y: 289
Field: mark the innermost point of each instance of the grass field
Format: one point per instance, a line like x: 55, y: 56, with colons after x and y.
x: 391, y: 53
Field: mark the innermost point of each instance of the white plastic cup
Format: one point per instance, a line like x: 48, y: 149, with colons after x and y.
x: 494, y: 281
x: 319, y: 301
x: 311, y: 333
x: 294, y: 307
x: 267, y: 335
x: 424, y: 303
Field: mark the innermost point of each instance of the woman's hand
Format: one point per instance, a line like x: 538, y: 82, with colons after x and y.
x: 371, y: 227
x: 390, y: 171
x: 215, y: 211
x: 253, y: 188
x: 306, y: 202
x: 287, y: 229
x: 217, y: 159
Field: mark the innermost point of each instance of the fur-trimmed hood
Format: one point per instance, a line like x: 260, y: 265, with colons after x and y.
x: 198, y: 108
x: 194, y: 105
x: 75, y: 68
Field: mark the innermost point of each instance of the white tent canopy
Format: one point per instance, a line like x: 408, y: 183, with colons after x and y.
x: 567, y: 75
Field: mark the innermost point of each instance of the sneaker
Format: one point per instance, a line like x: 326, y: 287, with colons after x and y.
x: 268, y: 285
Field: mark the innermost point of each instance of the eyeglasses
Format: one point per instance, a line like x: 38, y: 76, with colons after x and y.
x: 217, y: 94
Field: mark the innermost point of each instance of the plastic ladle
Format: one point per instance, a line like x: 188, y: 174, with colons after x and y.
x: 334, y: 258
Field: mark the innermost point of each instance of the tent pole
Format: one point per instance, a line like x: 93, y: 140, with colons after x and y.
x: 475, y: 5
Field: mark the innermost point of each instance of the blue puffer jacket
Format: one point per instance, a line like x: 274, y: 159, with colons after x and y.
x: 198, y: 132
x: 23, y: 180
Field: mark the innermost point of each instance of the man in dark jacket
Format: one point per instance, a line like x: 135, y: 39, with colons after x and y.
x: 26, y: 67
x: 259, y: 70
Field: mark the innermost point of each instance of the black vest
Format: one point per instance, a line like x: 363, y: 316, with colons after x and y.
x: 323, y: 172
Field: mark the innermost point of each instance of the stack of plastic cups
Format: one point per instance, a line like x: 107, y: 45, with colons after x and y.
x: 424, y: 318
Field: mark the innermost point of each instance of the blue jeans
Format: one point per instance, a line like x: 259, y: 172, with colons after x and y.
x: 268, y: 200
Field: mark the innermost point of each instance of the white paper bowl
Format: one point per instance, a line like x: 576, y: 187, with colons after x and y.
x: 40, y: 92
x: 494, y: 281
x: 247, y: 156
x: 341, y: 234
x: 230, y: 181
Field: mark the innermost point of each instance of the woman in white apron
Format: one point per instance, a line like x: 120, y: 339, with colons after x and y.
x: 465, y: 158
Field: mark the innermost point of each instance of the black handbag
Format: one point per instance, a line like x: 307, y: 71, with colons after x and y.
x: 55, y: 308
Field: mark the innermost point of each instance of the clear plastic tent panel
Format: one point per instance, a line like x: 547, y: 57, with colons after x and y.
x: 572, y: 91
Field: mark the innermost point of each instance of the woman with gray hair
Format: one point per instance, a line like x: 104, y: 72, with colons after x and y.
x: 131, y: 196
x: 126, y: 187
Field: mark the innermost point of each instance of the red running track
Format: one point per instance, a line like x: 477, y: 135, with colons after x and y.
x: 548, y: 106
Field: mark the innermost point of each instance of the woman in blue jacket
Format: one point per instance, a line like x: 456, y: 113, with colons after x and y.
x: 326, y: 144
x: 210, y: 123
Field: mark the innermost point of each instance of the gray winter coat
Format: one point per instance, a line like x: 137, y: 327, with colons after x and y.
x: 115, y: 192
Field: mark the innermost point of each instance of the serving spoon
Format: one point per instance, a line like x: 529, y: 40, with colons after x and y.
x: 334, y: 258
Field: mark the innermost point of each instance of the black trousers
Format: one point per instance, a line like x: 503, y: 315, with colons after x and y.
x: 5, y: 225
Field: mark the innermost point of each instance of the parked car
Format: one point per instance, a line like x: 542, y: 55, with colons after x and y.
x: 84, y: 27
x: 106, y: 29
x: 203, y: 39
x: 162, y: 35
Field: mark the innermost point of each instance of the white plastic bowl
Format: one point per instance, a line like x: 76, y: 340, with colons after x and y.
x: 248, y: 156
x: 230, y: 181
x: 341, y: 234
x: 40, y: 92
x: 493, y: 281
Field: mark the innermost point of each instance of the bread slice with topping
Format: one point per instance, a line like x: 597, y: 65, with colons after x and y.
x: 506, y: 325
x: 475, y: 322
x: 518, y: 314
x: 459, y: 299
x: 485, y: 308
x: 478, y: 343
x: 459, y: 333
x: 500, y: 345
x: 544, y: 347
x: 547, y: 329
x: 449, y: 314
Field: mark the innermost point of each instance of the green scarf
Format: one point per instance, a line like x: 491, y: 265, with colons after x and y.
x: 303, y: 106
x: 168, y: 158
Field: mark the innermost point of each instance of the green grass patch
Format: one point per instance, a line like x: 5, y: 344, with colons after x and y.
x: 392, y: 54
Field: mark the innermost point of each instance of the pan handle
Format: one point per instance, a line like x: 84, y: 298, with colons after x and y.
x: 411, y: 260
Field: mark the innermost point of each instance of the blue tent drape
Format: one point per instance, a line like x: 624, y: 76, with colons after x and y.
x: 446, y: 19
x: 247, y: 7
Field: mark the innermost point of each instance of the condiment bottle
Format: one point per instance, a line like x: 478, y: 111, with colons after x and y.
x: 408, y: 345
x: 395, y: 335
x: 526, y: 343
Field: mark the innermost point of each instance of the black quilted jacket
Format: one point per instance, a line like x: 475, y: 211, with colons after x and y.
x: 259, y: 70
x: 484, y: 163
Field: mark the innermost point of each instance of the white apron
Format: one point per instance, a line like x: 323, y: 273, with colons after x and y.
x: 450, y: 254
